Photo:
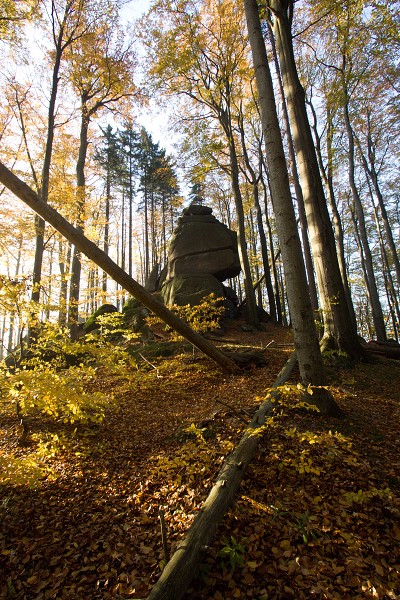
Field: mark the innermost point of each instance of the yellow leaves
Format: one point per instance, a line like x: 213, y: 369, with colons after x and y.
x: 59, y: 394
x: 363, y: 496
x: 16, y: 470
x: 202, y: 317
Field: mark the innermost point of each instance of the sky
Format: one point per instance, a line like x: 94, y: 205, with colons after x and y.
x: 154, y: 119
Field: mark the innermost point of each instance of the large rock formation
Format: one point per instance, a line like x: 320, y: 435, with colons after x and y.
x: 203, y: 253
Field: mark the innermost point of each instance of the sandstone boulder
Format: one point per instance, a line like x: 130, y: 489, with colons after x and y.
x: 202, y: 244
x: 202, y: 254
x: 191, y: 289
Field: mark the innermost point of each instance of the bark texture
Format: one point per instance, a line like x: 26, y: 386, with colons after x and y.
x: 339, y: 330
x: 304, y: 330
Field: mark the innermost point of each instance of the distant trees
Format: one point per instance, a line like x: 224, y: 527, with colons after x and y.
x: 88, y: 71
x: 67, y: 129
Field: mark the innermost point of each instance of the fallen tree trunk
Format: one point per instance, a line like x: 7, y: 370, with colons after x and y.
x: 388, y: 349
x: 49, y: 214
x: 185, y: 562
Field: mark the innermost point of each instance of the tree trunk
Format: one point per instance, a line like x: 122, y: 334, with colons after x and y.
x: 376, y: 307
x: 254, y: 181
x: 372, y: 172
x: 251, y: 305
x: 304, y: 330
x: 44, y: 190
x: 76, y: 237
x: 327, y: 174
x: 106, y: 229
x: 183, y: 565
x: 297, y: 187
x: 339, y: 329
x: 80, y: 203
x: 271, y: 245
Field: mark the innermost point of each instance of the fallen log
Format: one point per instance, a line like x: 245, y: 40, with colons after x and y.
x: 388, y: 349
x: 186, y: 560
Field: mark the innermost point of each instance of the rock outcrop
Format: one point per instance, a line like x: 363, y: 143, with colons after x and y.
x: 202, y: 254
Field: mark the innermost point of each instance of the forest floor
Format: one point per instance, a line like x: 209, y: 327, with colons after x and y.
x: 317, y: 515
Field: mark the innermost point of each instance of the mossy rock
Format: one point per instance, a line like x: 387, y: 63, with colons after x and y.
x: 91, y: 324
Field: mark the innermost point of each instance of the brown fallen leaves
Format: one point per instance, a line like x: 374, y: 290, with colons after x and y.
x: 317, y: 515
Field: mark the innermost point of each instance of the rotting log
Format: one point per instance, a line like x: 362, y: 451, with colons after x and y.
x: 71, y: 233
x: 186, y: 560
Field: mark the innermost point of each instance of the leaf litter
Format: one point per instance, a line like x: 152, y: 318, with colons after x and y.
x: 317, y: 514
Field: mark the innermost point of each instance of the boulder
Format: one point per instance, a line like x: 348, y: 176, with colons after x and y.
x: 202, y: 244
x: 91, y: 324
x: 191, y: 289
x: 202, y: 254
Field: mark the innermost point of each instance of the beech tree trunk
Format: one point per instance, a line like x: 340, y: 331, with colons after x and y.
x: 339, y: 329
x: 183, y: 565
x: 254, y: 180
x: 327, y: 175
x: 297, y: 187
x: 76, y: 237
x: 302, y: 318
x: 251, y: 305
x: 80, y: 204
x: 376, y: 307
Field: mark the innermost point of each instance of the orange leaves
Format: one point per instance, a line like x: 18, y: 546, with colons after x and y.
x: 93, y: 531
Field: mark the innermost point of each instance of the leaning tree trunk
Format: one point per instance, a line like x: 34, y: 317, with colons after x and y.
x: 304, y: 330
x: 76, y: 237
x: 339, y: 329
x: 186, y: 560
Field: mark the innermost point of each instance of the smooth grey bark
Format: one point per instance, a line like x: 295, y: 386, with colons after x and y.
x: 76, y: 267
x: 296, y: 184
x: 376, y: 307
x: 327, y: 175
x: 304, y: 330
x: 76, y: 237
x: 224, y: 118
x: 372, y: 172
x: 62, y: 40
x: 271, y: 241
x: 64, y: 263
x: 339, y: 329
x: 391, y: 295
x: 254, y: 181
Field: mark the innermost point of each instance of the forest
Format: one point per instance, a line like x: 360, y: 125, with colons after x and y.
x: 239, y: 446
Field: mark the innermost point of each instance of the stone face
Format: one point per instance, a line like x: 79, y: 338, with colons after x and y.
x: 218, y: 263
x: 202, y: 254
x: 203, y: 246
x: 191, y: 289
